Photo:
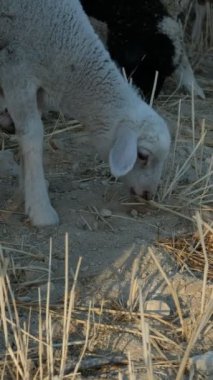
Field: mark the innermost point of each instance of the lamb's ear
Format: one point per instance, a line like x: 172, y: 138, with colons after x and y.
x: 123, y: 153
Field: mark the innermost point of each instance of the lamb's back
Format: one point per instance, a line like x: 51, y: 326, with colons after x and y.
x: 45, y: 33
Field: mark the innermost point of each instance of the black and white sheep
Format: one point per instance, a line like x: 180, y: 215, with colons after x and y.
x: 50, y: 57
x: 143, y: 37
x: 176, y: 7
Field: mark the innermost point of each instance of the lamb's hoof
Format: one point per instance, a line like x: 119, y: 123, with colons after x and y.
x: 44, y: 217
x: 198, y: 91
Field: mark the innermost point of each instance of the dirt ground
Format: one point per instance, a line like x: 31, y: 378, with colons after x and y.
x: 112, y: 232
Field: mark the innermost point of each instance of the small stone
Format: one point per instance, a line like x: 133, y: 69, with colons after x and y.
x: 134, y: 213
x: 140, y: 241
x: 24, y: 299
x: 95, y: 226
x: 203, y: 364
x: 83, y: 186
x: 106, y: 213
x: 56, y: 144
x: 75, y: 167
x: 85, y: 269
x: 158, y: 307
x: 44, y: 289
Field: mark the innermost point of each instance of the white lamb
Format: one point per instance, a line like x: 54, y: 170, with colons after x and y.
x: 48, y: 50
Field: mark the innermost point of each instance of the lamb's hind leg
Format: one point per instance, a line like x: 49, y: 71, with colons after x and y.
x: 200, y: 13
x: 186, y: 77
x: 22, y: 105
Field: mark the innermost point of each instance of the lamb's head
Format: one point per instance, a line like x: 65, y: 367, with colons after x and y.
x: 139, y: 152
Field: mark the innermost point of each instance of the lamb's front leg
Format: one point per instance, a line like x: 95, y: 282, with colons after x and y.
x: 22, y: 106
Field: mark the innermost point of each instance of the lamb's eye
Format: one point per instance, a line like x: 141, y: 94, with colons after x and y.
x: 143, y: 157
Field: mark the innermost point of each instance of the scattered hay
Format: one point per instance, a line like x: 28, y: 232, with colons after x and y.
x: 188, y: 251
x: 54, y: 351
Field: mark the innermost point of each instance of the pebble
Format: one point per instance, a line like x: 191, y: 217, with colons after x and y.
x: 75, y: 167
x: 140, y: 241
x: 24, y: 299
x: 203, y: 364
x: 158, y: 307
x: 56, y: 144
x: 83, y: 186
x: 105, y: 213
x: 134, y: 213
x: 85, y: 269
x: 95, y: 226
x: 44, y: 289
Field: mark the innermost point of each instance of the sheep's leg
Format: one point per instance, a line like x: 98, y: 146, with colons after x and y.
x: 22, y: 105
x: 185, y: 77
x: 200, y: 12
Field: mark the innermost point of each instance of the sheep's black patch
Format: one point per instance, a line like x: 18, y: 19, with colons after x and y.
x: 134, y: 39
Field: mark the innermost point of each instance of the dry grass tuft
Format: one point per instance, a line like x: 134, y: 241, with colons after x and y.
x: 188, y: 250
x: 48, y: 356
